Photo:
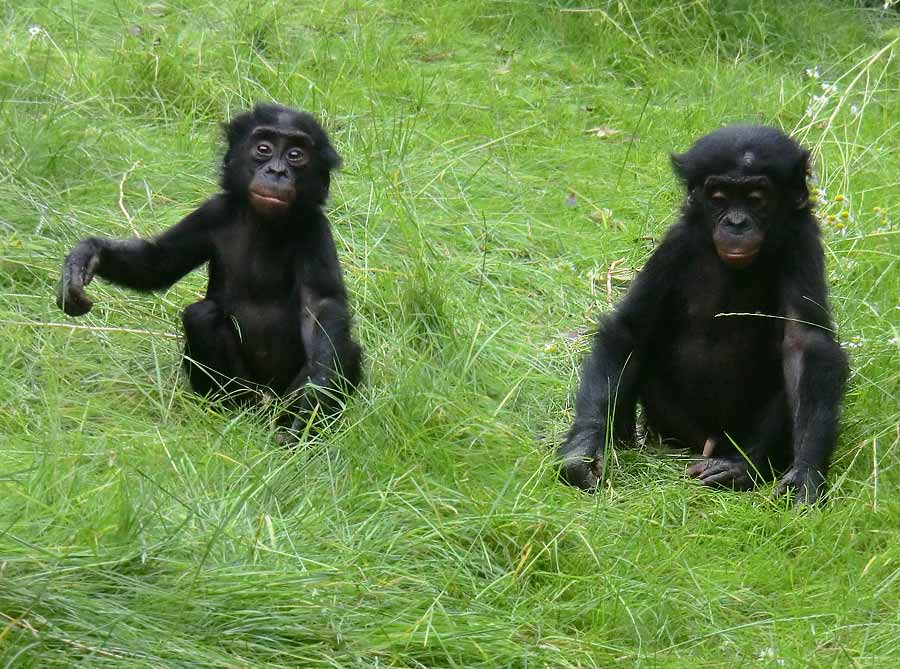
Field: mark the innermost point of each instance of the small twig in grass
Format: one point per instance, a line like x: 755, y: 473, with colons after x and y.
x: 93, y: 328
x: 631, y: 142
x: 875, y: 474
x: 23, y: 624
x: 609, y: 273
x: 20, y: 622
x: 484, y: 235
x: 122, y: 197
x: 93, y: 649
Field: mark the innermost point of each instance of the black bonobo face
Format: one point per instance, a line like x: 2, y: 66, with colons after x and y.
x: 277, y: 159
x: 738, y: 211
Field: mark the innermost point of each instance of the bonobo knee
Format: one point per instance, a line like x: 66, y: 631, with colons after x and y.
x: 329, y: 310
x: 200, y: 317
x: 334, y: 316
x: 818, y: 346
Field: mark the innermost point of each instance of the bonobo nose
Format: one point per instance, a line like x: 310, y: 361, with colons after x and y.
x: 737, y: 224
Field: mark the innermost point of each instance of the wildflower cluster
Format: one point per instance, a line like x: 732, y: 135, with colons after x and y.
x: 836, y: 213
x: 882, y: 220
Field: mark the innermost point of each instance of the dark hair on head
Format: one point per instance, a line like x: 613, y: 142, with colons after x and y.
x: 240, y: 127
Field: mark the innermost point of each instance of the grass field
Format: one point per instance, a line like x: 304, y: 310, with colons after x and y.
x: 506, y: 171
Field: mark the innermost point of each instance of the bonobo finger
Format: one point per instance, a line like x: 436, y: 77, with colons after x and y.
x: 72, y: 300
x: 722, y: 479
x: 806, y: 495
x: 78, y: 271
x: 782, y: 487
x: 728, y: 478
x: 806, y: 486
x: 84, y: 269
x: 580, y: 474
x: 697, y: 468
x: 581, y: 461
x: 75, y: 304
x: 70, y: 297
x: 721, y: 472
x: 714, y: 466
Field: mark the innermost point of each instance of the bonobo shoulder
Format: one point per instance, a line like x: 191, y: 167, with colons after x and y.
x: 215, y: 213
x: 217, y: 208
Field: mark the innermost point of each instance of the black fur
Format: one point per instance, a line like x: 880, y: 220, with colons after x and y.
x: 275, y: 315
x: 746, y: 243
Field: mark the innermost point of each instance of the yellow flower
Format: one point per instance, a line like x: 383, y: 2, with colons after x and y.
x: 845, y: 214
x: 839, y: 198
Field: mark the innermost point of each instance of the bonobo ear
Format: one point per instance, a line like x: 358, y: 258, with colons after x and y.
x: 330, y: 161
x: 679, y: 163
x: 799, y: 191
x: 235, y: 131
x: 330, y: 157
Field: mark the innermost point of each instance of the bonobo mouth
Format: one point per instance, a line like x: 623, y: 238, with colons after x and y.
x: 738, y: 258
x: 268, y: 200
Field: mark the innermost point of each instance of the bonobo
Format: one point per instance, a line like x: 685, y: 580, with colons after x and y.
x: 275, y: 315
x: 724, y: 337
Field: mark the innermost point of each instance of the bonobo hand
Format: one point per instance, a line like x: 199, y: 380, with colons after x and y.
x: 78, y: 271
x: 806, y: 483
x: 580, y: 460
x: 731, y: 473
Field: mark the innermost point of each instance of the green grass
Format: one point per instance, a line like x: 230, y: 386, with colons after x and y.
x: 141, y: 527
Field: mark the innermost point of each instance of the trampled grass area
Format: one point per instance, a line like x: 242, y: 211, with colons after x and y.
x: 506, y: 170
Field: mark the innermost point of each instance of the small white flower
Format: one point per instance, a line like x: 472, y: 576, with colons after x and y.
x: 830, y: 89
x: 854, y: 109
x: 855, y: 342
x: 819, y: 100
x: 813, y: 72
x: 34, y: 30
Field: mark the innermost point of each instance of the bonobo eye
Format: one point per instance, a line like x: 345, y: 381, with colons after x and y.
x: 296, y: 156
x: 263, y: 150
x: 718, y: 197
x: 757, y: 198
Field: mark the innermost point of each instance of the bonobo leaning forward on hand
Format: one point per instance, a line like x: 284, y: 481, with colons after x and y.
x: 275, y: 314
x: 725, y: 336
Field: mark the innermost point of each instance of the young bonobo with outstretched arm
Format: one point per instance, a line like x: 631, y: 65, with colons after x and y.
x: 275, y: 314
x: 725, y: 336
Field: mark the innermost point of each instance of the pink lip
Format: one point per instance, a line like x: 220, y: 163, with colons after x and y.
x: 738, y: 260
x: 268, y: 199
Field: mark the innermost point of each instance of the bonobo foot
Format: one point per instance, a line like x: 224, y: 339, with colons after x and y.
x: 734, y: 473
x: 806, y: 483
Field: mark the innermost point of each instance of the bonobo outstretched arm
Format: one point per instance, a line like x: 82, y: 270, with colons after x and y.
x: 607, y: 395
x: 141, y: 264
x: 815, y: 371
